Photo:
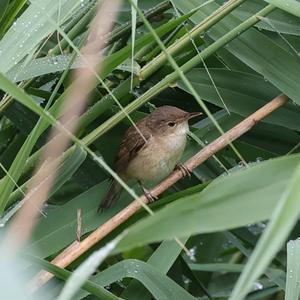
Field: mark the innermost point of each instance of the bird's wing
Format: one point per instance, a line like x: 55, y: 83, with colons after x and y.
x: 132, y: 143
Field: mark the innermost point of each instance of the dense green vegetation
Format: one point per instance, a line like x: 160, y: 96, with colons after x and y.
x: 238, y: 214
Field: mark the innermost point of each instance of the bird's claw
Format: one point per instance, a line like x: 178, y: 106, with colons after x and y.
x: 184, y: 170
x: 151, y: 198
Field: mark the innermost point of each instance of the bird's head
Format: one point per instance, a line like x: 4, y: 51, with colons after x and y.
x: 167, y: 120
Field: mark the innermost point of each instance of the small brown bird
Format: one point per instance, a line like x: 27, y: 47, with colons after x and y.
x: 152, y: 152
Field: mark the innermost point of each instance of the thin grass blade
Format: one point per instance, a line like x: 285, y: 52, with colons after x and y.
x: 292, y: 290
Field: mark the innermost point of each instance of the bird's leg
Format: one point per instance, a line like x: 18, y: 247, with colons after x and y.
x: 151, y: 198
x: 184, y: 170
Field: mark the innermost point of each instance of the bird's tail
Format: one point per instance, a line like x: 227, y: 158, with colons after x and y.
x: 111, y: 197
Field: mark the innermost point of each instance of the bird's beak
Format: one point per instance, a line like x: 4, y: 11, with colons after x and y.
x: 193, y: 115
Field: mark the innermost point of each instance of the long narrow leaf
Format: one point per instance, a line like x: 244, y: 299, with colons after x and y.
x: 292, y: 290
x: 282, y: 221
x: 158, y: 284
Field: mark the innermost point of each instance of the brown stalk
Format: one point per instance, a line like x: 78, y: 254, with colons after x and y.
x: 20, y: 230
x: 74, y: 250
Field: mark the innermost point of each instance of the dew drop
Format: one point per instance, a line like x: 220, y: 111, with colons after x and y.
x: 258, y: 286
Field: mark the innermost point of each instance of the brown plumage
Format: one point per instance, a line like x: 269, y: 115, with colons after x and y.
x: 151, y: 151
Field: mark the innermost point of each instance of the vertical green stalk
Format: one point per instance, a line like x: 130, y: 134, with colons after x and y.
x: 292, y: 289
x: 219, y: 14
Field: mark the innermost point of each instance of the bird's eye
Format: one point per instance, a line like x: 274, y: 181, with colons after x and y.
x: 171, y: 124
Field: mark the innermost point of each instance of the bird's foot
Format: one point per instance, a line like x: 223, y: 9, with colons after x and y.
x: 151, y: 198
x: 184, y: 170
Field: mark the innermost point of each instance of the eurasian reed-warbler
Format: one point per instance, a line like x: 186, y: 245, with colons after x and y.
x: 151, y: 150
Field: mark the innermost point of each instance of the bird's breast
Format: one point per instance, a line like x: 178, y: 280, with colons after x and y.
x: 157, y: 158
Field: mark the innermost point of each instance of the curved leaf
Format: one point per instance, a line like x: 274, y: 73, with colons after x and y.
x: 159, y: 285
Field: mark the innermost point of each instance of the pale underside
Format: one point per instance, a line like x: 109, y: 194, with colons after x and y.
x: 158, y: 158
